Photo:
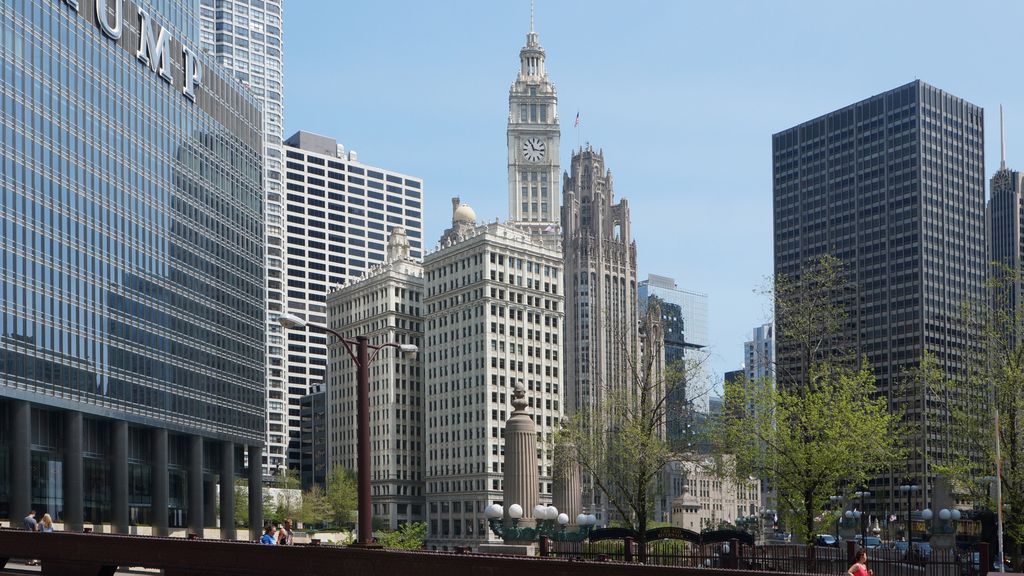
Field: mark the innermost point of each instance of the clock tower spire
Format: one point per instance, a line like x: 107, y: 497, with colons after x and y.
x: 533, y: 145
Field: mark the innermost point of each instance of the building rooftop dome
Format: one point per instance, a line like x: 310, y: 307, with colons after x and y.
x: 464, y: 214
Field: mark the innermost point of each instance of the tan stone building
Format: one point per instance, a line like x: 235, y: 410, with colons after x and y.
x: 708, y: 500
x: 494, y: 307
x: 386, y: 305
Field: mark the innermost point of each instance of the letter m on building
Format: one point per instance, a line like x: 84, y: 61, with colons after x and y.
x: 153, y: 49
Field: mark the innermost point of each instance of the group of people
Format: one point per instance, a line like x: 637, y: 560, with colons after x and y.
x: 43, y: 525
x: 276, y: 534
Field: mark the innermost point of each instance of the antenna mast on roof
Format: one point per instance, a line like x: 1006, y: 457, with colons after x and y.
x: 1002, y: 141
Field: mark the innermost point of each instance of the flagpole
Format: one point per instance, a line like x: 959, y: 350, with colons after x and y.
x: 999, y: 494
x: 578, y: 130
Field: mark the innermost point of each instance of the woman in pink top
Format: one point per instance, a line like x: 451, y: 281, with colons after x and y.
x: 860, y: 567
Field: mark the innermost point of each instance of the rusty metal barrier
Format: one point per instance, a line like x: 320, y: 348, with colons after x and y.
x: 73, y: 554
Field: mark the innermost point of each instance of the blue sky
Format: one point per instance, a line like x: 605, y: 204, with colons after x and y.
x: 682, y: 96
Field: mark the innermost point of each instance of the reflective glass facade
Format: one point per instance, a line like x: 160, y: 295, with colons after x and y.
x: 684, y: 320
x: 131, y: 242
x: 245, y: 37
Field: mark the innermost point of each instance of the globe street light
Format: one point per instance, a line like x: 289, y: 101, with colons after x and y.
x: 909, y: 489
x: 833, y: 500
x: 996, y: 480
x: 863, y: 524
x: 359, y: 350
x: 939, y: 530
x: 547, y: 517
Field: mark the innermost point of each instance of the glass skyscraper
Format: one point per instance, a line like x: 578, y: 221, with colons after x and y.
x: 894, y: 187
x: 245, y: 37
x: 131, y: 268
x: 684, y: 317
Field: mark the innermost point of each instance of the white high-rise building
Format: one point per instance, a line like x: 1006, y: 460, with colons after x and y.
x: 245, y: 38
x: 494, y: 312
x: 759, y: 353
x: 339, y: 213
x: 533, y: 146
x: 759, y: 370
x: 386, y: 306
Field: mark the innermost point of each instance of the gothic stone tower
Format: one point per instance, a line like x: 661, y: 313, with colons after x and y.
x: 601, y: 329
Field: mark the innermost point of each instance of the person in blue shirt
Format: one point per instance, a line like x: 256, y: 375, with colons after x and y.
x: 268, y: 535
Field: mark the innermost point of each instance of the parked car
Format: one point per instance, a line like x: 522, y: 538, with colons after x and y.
x: 826, y: 540
x: 870, y: 543
x: 919, y: 552
x: 901, y: 545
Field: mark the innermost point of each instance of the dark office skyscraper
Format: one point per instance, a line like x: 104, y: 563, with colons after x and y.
x: 1006, y: 214
x: 894, y: 187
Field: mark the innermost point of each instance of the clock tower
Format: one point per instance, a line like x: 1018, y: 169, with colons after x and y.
x: 533, y: 146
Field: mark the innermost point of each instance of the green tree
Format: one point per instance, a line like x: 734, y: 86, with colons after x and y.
x: 286, y: 478
x: 286, y: 501
x: 316, y: 508
x: 995, y: 386
x: 241, y: 502
x: 620, y: 444
x: 342, y: 495
x: 822, y: 421
x: 409, y: 536
x: 269, y: 505
x: 928, y: 399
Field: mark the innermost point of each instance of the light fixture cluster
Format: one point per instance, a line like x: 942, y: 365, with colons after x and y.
x: 550, y: 523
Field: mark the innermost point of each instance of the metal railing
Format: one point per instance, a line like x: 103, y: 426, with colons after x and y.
x: 791, y: 558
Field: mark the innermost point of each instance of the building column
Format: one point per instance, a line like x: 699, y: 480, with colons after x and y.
x: 520, y: 479
x: 195, y: 485
x: 567, y: 487
x: 210, y: 500
x: 74, y: 501
x: 21, y: 461
x: 255, y: 492
x: 119, y: 477
x: 160, y: 488
x: 227, y: 491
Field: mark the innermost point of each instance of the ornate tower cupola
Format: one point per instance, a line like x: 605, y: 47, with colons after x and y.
x: 531, y: 57
x: 533, y: 145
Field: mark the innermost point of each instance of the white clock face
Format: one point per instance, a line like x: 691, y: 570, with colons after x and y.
x: 533, y: 149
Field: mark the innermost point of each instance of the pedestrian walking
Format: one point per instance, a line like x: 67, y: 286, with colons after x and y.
x: 284, y: 535
x: 860, y: 567
x: 29, y: 522
x: 46, y: 524
x: 268, y: 535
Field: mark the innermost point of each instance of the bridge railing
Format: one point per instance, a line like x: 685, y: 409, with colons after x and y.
x: 74, y: 554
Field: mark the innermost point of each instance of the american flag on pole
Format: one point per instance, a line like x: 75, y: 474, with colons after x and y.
x: 576, y: 124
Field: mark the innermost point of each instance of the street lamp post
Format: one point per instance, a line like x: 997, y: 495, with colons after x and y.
x: 862, y: 516
x: 997, y: 481
x: 909, y: 489
x: 833, y: 500
x: 359, y: 350
x: 545, y: 527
